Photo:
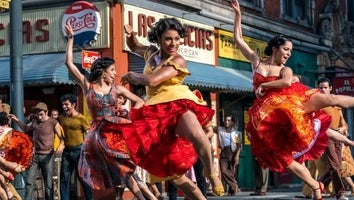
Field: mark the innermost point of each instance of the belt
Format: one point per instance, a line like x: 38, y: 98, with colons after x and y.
x: 69, y: 148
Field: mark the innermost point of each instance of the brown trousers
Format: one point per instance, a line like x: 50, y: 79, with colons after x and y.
x: 334, y: 158
x: 228, y: 169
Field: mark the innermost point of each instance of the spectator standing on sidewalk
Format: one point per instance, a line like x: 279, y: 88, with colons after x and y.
x: 261, y: 179
x: 333, y: 151
x: 230, y: 145
x: 44, y: 128
x: 75, y: 126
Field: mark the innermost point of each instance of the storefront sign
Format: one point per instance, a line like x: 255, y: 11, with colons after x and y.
x: 88, y: 57
x: 198, y: 46
x: 228, y: 49
x: 85, y: 20
x: 344, y: 86
x: 5, y: 4
x: 42, y: 30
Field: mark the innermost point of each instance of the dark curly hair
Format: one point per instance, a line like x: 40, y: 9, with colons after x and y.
x: 324, y: 80
x: 69, y: 97
x: 276, y: 42
x: 4, y: 119
x: 98, y: 66
x: 165, y: 24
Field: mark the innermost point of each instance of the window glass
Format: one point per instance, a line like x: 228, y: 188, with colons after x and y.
x: 251, y: 3
x: 297, y: 11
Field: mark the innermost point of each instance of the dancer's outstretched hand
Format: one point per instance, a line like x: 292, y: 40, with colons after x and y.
x: 69, y: 31
x: 236, y: 6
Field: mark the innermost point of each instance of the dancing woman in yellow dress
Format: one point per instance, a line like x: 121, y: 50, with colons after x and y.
x: 169, y: 128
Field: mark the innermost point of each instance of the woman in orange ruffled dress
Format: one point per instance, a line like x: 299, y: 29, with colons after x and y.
x: 283, y: 118
x: 16, y: 151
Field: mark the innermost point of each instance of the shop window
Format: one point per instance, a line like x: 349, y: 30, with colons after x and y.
x: 297, y: 11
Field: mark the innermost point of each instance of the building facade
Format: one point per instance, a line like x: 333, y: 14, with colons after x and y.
x: 322, y: 32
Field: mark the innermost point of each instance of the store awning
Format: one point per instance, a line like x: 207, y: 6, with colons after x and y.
x: 41, y: 69
x: 218, y: 78
x: 206, y: 76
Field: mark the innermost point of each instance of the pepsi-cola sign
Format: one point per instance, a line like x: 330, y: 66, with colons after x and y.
x: 85, y: 20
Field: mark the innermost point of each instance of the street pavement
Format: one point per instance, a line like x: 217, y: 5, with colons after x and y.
x: 280, y: 193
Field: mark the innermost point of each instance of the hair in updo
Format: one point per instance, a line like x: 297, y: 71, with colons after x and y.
x: 98, y: 66
x: 276, y: 42
x: 165, y: 24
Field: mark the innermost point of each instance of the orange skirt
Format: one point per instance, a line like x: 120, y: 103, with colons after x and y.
x: 280, y: 128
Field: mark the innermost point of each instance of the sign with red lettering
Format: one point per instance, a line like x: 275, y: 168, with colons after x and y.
x: 197, y: 46
x: 88, y: 57
x: 85, y: 20
x: 344, y: 86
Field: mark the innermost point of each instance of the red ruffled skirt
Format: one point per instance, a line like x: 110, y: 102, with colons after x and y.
x: 20, y: 150
x: 152, y: 140
x: 280, y: 128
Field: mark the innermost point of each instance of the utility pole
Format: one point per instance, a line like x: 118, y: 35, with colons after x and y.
x: 16, y: 73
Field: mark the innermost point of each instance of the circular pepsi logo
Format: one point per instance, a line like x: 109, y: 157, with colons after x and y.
x: 85, y: 21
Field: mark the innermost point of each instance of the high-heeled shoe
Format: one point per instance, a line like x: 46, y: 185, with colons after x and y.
x: 320, y: 188
x: 217, y: 189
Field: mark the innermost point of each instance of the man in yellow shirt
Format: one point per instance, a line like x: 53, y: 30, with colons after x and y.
x: 75, y: 126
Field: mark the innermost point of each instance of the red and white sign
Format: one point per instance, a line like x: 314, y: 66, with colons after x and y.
x: 88, y: 57
x: 85, y: 20
x: 344, y: 86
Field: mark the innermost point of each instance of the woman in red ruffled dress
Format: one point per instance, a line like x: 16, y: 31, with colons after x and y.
x: 104, y: 162
x: 285, y: 115
x: 167, y: 134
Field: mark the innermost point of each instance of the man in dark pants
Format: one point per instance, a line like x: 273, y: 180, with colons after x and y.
x: 333, y: 151
x: 261, y: 179
x: 230, y: 144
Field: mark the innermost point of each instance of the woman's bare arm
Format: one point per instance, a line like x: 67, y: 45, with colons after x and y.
x: 137, y: 101
x: 80, y: 78
x: 132, y: 42
x: 241, y: 44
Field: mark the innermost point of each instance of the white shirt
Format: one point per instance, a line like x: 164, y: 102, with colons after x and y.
x: 232, y: 139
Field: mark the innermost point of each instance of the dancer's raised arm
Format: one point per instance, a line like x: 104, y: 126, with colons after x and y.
x: 241, y: 44
x: 132, y: 42
x: 79, y: 77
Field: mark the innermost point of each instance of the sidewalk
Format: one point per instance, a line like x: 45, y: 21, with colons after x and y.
x: 286, y: 192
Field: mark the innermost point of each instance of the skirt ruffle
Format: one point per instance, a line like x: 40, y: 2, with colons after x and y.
x: 319, y: 143
x: 20, y: 150
x: 279, y: 127
x: 152, y: 140
x: 103, y: 167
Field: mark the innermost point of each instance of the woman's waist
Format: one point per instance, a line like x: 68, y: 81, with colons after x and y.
x: 167, y: 95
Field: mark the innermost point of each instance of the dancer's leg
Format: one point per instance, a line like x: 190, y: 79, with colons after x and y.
x: 189, y: 127
x: 3, y: 187
x: 350, y: 182
x: 303, y: 173
x: 189, y: 188
x: 134, y: 188
x: 321, y: 100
